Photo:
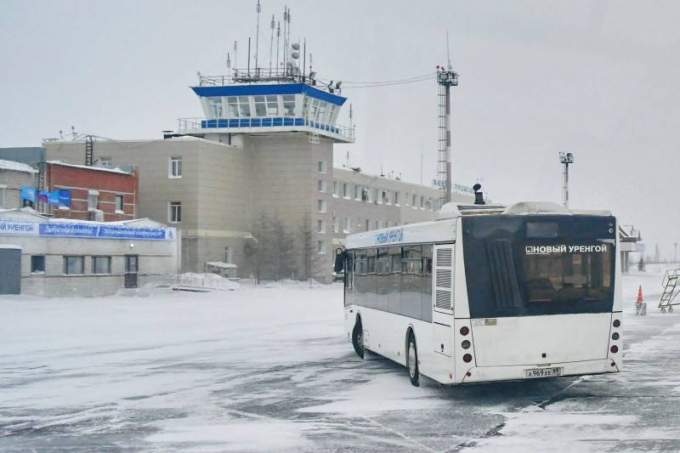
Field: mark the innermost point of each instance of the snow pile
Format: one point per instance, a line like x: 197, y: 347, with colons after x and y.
x: 206, y: 281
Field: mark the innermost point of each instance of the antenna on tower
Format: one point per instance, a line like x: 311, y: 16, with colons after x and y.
x: 272, y: 25
x: 278, y: 39
x: 236, y: 54
x: 448, y: 52
x: 228, y: 61
x: 257, y: 35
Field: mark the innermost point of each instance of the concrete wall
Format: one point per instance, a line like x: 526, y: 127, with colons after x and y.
x: 12, y: 182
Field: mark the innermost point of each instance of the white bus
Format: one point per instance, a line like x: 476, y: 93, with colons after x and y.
x: 488, y: 293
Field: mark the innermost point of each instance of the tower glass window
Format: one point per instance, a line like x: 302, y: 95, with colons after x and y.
x: 260, y: 106
x: 289, y: 105
x: 272, y: 106
x: 244, y: 106
x: 232, y: 106
x: 215, y: 106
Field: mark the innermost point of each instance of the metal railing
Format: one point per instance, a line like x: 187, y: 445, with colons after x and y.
x: 203, y: 125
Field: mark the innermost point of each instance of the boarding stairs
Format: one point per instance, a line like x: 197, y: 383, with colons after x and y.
x: 671, y: 288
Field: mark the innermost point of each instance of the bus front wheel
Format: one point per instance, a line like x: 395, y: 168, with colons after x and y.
x: 412, y: 361
x: 358, y: 338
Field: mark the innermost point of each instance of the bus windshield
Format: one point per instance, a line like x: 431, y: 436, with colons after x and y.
x: 537, y: 265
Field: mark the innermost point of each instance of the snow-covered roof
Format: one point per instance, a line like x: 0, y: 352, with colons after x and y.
x: 11, y: 165
x: 222, y: 265
x: 31, y: 215
x: 88, y: 167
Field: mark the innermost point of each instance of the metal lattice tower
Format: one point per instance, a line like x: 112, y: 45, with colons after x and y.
x: 446, y: 78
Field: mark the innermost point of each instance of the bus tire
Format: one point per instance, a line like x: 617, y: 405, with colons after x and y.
x: 412, y: 360
x: 358, y: 338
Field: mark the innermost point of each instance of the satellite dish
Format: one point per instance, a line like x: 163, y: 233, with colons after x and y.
x: 295, y: 46
x: 295, y: 55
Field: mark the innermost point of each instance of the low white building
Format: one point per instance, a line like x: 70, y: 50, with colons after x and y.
x: 62, y: 256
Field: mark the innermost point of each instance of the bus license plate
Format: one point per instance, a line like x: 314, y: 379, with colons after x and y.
x: 543, y: 372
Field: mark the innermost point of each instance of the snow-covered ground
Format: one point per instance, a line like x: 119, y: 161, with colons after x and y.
x: 268, y: 369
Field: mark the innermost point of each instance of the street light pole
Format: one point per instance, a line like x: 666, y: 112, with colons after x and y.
x: 566, y: 159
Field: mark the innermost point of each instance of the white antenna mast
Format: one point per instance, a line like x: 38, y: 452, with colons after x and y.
x: 228, y: 61
x: 278, y: 39
x: 236, y: 54
x: 271, y: 43
x: 257, y: 35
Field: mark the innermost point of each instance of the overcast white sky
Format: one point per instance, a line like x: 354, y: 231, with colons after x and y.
x: 599, y: 79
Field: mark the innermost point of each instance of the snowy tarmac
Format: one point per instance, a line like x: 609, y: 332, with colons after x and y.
x: 269, y: 369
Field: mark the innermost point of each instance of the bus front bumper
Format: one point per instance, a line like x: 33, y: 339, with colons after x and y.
x: 527, y: 372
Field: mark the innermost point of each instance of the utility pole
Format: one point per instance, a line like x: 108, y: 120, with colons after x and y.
x: 566, y: 159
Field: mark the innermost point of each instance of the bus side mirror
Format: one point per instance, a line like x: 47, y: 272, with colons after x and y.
x: 339, y: 261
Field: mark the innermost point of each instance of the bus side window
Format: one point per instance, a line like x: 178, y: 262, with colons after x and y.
x: 426, y: 285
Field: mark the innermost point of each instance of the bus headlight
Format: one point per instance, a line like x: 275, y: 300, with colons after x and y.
x: 617, y: 323
x: 464, y: 330
x: 614, y: 349
x: 465, y: 344
x: 467, y: 358
x: 615, y: 336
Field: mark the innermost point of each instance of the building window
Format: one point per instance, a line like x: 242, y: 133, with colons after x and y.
x: 37, y: 263
x: 368, y: 224
x: 321, y: 185
x: 348, y: 225
x: 289, y: 105
x: 73, y: 265
x: 260, y: 106
x: 335, y: 188
x: 105, y: 162
x: 272, y: 106
x: 92, y: 200
x: 413, y: 201
x: 377, y: 224
x: 320, y: 226
x: 422, y: 202
x: 101, y: 264
x: 396, y: 198
x: 357, y: 192
x: 345, y: 190
x: 175, y: 211
x: 321, y: 205
x: 385, y: 197
x: 175, y: 168
x: 215, y: 105
x: 232, y: 106
x: 227, y: 255
x: 336, y: 225
x: 3, y: 196
x: 119, y: 204
x: 364, y: 194
x: 320, y: 248
x: 322, y: 166
x: 244, y: 106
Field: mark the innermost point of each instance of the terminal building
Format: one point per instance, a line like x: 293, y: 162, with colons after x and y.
x: 253, y: 183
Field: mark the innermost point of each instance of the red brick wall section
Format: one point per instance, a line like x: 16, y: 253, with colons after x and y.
x: 108, y: 184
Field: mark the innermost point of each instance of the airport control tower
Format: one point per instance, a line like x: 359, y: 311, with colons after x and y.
x: 281, y: 121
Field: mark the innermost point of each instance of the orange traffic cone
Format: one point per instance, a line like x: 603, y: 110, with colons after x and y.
x: 640, y: 298
x: 640, y: 305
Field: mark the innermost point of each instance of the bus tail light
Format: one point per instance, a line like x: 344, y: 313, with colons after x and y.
x: 467, y: 358
x: 464, y: 330
x: 614, y: 349
x: 465, y: 344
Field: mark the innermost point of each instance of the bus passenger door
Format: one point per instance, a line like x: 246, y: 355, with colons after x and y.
x: 443, y: 271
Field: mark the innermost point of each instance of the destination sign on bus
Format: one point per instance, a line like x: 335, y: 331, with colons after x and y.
x: 558, y: 249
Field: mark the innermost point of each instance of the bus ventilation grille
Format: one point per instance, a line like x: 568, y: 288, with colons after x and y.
x: 444, y: 257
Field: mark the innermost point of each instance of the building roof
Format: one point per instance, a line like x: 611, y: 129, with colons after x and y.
x: 89, y: 167
x: 11, y: 165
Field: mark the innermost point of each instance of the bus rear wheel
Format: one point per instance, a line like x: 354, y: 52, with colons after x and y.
x: 358, y: 338
x: 412, y: 361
